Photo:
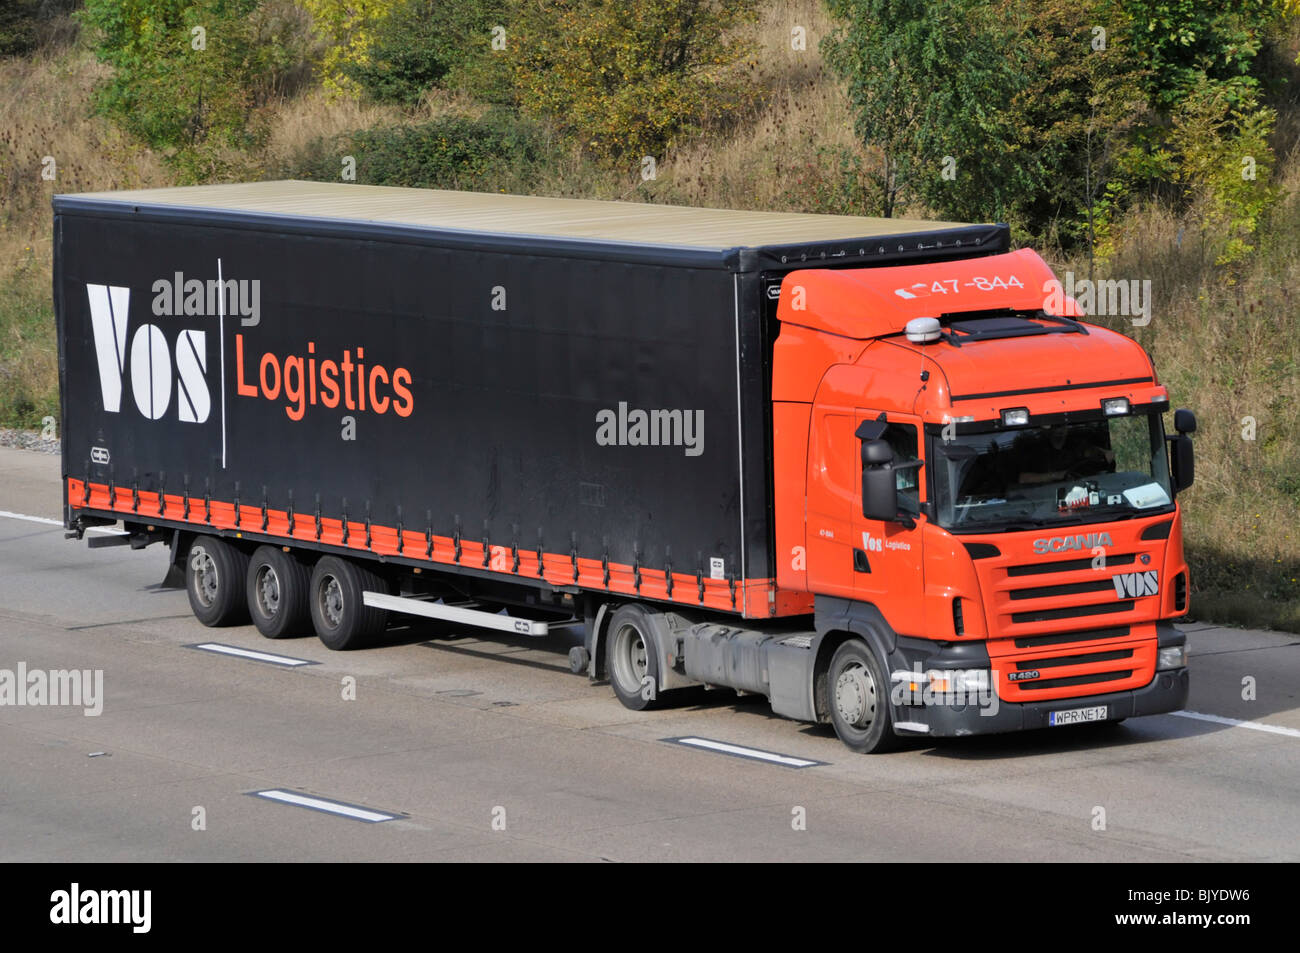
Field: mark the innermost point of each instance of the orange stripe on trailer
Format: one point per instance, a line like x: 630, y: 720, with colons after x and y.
x: 758, y: 597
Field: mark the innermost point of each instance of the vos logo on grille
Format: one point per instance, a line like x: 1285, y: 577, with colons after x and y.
x: 1132, y: 585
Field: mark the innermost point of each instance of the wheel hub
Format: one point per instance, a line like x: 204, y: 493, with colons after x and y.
x: 332, y: 601
x: 268, y: 591
x: 855, y: 696
x: 630, y: 659
x: 205, y: 575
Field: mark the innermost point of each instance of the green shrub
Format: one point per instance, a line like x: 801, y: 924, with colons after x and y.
x: 187, y: 72
x: 495, y: 153
x: 420, y: 45
x: 627, y: 80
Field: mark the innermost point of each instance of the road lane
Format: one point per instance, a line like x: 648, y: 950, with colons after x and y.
x: 490, y: 749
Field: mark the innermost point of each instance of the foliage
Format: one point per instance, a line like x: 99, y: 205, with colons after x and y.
x: 19, y: 27
x: 932, y: 83
x: 1186, y: 43
x: 627, y: 79
x: 1053, y: 115
x: 190, y: 72
x: 420, y: 44
x: 1224, y: 163
x: 347, y: 28
x: 1075, y: 115
x: 451, y: 152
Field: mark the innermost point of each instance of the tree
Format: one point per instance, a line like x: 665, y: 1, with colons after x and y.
x: 931, y: 82
x: 190, y: 72
x: 627, y: 79
x: 420, y: 44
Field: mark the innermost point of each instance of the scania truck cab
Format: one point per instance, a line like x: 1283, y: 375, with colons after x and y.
x: 979, y: 494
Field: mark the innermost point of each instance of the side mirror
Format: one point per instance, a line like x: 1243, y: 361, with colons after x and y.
x: 1184, y: 421
x: 1183, y: 464
x: 879, y: 486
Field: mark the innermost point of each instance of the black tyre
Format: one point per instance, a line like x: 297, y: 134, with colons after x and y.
x: 278, y: 587
x: 632, y: 659
x: 341, y: 619
x: 214, y: 581
x: 858, y: 694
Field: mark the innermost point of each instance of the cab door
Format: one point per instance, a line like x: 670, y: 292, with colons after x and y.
x: 832, y: 495
x: 887, y: 554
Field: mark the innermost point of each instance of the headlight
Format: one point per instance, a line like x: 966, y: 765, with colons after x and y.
x: 1115, y: 406
x: 958, y: 680
x: 1015, y: 417
x: 1175, y: 656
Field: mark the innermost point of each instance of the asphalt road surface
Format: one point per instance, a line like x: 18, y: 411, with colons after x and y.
x: 463, y: 747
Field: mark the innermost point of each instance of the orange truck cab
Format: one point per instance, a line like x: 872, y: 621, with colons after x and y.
x: 979, y: 488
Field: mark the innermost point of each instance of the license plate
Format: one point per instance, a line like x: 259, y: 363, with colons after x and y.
x: 1075, y: 716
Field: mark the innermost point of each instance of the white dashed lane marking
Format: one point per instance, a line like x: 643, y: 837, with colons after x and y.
x: 740, y: 751
x: 1237, y: 723
x: 325, y: 806
x: 267, y: 657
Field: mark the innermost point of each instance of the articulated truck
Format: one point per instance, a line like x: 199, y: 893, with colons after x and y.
x: 878, y: 471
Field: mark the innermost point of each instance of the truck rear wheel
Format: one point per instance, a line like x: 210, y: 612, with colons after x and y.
x: 858, y: 694
x: 278, y: 587
x: 214, y: 581
x: 341, y: 619
x: 632, y: 659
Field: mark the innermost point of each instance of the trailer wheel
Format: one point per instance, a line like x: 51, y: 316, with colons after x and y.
x: 632, y: 659
x: 214, y: 581
x: 278, y: 586
x: 342, y: 620
x: 858, y: 694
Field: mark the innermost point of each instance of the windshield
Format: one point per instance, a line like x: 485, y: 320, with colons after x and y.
x: 1086, y: 471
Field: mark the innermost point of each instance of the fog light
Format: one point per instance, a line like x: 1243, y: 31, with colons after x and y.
x: 1115, y: 406
x: 1175, y: 656
x: 1015, y: 417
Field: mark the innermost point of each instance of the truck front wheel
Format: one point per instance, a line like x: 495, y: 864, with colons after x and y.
x: 341, y: 618
x: 278, y: 589
x: 858, y: 695
x: 632, y: 659
x: 214, y: 581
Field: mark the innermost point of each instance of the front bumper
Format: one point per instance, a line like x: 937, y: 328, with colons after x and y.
x: 1167, y: 691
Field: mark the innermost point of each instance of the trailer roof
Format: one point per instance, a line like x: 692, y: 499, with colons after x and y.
x: 490, y: 213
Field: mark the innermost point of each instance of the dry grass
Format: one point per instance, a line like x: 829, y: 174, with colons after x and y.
x: 1226, y: 346
x: 799, y: 124
x: 45, y: 111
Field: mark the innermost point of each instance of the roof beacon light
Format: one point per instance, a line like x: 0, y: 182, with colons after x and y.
x: 1115, y: 406
x: 922, y: 330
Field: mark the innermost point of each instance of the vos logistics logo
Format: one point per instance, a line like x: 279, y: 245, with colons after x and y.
x: 183, y: 369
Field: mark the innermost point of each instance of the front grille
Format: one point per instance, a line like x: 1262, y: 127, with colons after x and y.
x: 1068, y: 589
x: 1068, y: 565
x: 1073, y: 612
x: 1095, y: 635
x: 1043, y: 684
x: 1039, y: 663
